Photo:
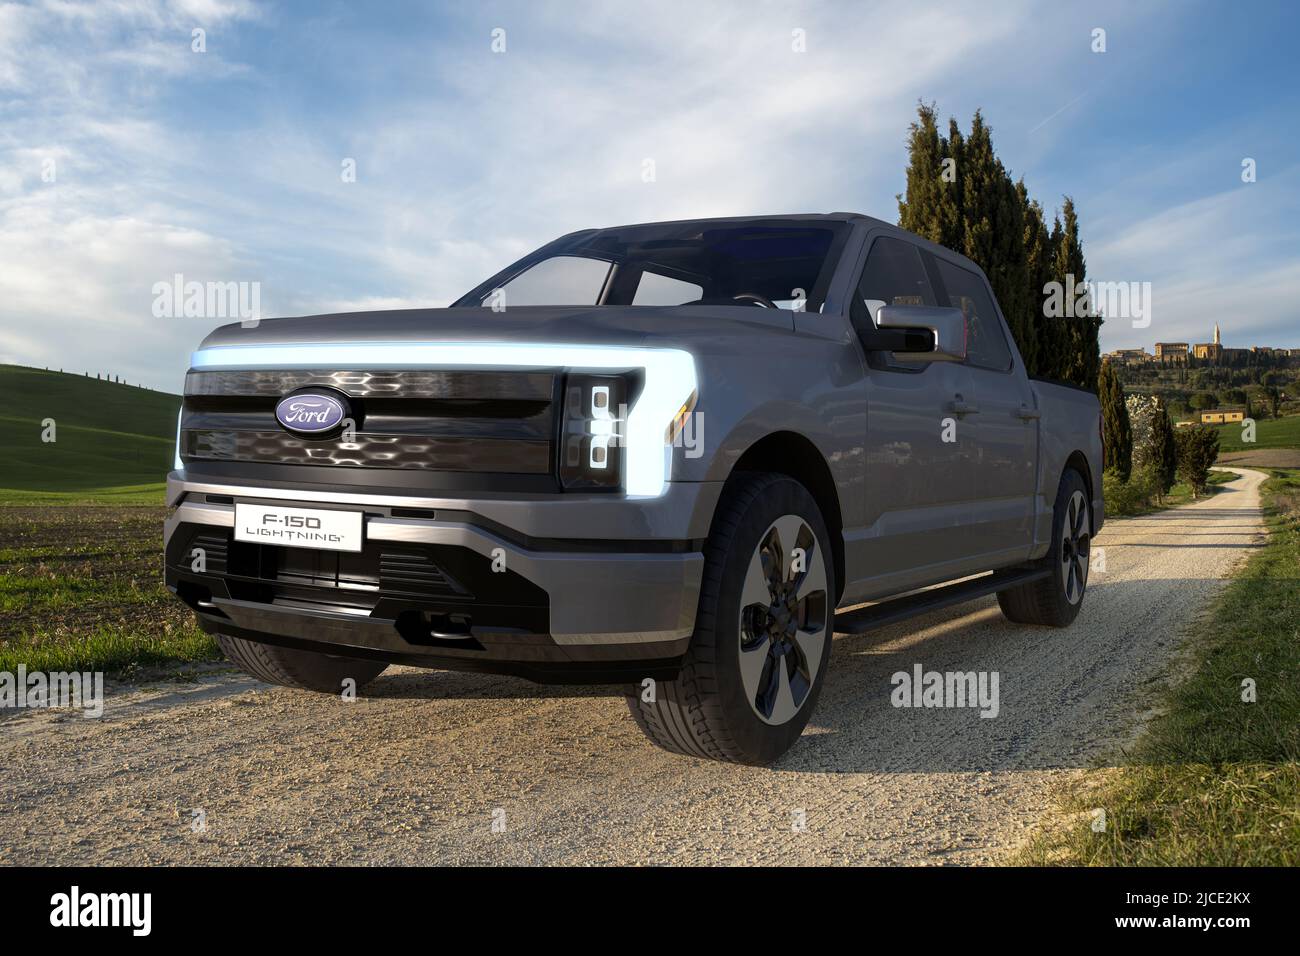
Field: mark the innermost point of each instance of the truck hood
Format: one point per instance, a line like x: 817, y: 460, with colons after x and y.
x: 644, y: 326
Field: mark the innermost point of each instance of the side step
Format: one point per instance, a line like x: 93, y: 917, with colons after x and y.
x: 899, y: 609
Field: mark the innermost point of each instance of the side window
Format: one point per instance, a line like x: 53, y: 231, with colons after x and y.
x: 894, y: 275
x: 655, y: 289
x: 559, y: 280
x: 986, y: 345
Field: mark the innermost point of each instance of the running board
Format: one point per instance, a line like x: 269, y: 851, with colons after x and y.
x: 900, y: 609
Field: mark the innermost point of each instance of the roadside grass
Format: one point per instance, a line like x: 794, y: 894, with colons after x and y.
x: 1179, y: 494
x: 115, y: 650
x: 1216, y: 780
x: 144, y: 494
x: 1269, y: 433
x: 81, y: 589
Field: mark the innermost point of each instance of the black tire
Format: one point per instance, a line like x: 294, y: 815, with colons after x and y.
x: 1054, y: 601
x: 306, y: 670
x: 706, y: 711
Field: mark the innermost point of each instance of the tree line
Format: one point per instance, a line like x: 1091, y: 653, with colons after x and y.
x: 1144, y: 453
x: 960, y: 195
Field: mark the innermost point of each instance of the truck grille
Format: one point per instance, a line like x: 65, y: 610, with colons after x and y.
x: 406, y: 420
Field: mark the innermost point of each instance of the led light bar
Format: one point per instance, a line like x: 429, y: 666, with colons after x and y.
x: 669, y: 380
x: 180, y: 465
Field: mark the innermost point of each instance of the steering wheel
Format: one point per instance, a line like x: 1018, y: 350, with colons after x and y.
x: 755, y: 298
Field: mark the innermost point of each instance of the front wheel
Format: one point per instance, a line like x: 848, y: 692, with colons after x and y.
x: 756, y: 664
x: 306, y: 670
x: 1055, y: 600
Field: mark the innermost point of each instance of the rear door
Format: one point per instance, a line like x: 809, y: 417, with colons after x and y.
x: 1004, y: 450
x: 920, y: 474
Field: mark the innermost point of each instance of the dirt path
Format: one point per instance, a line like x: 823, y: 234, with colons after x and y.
x: 416, y: 772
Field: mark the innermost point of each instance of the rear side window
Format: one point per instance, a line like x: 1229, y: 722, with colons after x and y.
x: 986, y: 345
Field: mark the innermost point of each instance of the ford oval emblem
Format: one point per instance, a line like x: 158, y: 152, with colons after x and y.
x: 311, y: 412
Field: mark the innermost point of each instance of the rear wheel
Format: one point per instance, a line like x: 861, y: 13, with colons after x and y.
x: 1056, y: 599
x: 755, y: 667
x: 307, y: 670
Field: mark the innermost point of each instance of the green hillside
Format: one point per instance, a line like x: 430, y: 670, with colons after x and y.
x: 112, y: 440
x: 1269, y: 433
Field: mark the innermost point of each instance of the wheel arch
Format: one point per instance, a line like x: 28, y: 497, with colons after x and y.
x: 796, y: 456
x: 1078, y: 461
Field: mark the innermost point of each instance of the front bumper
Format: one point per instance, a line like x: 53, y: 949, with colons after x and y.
x: 475, y: 585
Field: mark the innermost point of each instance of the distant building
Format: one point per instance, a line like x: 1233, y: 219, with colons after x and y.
x: 1129, y: 356
x: 1171, y: 352
x: 1178, y: 353
x: 1212, y: 351
x: 1222, y: 416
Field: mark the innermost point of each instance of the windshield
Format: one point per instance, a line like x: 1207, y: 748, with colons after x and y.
x: 765, y: 263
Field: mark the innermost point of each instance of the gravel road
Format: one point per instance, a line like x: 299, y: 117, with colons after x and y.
x: 420, y: 770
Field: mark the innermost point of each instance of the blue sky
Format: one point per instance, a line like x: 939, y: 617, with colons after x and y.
x: 225, y: 165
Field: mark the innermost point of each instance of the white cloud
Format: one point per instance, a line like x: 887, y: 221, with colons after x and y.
x: 467, y: 159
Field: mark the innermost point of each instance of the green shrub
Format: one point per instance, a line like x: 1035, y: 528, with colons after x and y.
x: 1118, y: 493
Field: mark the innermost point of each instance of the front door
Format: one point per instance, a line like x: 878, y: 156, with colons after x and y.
x: 921, y: 495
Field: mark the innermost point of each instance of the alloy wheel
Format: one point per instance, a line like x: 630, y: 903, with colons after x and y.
x: 783, y: 620
x: 1074, y: 548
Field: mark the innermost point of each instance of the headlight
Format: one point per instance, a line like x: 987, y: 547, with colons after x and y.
x: 179, y: 465
x: 593, y: 435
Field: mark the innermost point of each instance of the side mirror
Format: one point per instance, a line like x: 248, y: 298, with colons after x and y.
x: 919, y: 333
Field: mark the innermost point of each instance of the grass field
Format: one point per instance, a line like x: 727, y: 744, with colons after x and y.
x: 112, y: 442
x: 1216, y: 780
x: 81, y: 527
x: 1269, y: 433
x: 81, y: 588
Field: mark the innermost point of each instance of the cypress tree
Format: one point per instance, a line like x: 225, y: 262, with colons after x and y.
x: 1039, y: 273
x: 953, y: 200
x: 1115, y: 430
x: 979, y: 174
x: 1162, y: 438
x: 1029, y: 308
x: 1054, y: 342
x: 919, y: 209
x: 1084, y: 354
x: 984, y: 214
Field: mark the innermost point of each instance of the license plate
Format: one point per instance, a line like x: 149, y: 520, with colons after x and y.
x: 299, y: 527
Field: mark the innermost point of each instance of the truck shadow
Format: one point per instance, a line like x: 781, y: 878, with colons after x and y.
x: 1068, y: 698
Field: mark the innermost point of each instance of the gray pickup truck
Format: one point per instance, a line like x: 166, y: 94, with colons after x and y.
x: 658, y: 455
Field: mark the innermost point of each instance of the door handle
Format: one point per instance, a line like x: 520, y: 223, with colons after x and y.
x: 958, y: 406
x: 1028, y: 414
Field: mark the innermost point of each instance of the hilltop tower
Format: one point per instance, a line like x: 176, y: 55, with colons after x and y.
x: 1217, y: 340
